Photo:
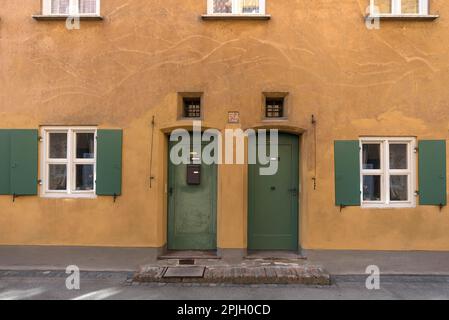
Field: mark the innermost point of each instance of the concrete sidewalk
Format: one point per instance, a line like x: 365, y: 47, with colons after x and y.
x: 389, y: 262
x: 86, y: 258
x: 133, y: 259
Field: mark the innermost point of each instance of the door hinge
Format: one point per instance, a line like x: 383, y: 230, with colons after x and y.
x: 416, y: 149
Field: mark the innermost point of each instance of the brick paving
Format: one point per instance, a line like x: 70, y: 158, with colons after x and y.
x: 258, y: 271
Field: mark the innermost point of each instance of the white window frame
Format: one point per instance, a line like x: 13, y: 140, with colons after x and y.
x: 396, y: 9
x: 235, y: 9
x: 71, y: 161
x: 385, y: 172
x: 73, y: 9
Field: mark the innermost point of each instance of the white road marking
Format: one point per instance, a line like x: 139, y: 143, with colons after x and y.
x: 20, y: 294
x: 99, y: 295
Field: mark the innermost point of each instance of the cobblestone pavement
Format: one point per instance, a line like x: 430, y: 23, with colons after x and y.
x: 119, y: 285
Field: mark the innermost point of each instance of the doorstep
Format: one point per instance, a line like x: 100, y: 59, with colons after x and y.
x: 248, y: 272
x: 189, y: 255
x: 274, y: 255
x: 305, y: 275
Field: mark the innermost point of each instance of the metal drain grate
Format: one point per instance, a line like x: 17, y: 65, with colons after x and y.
x: 184, y: 272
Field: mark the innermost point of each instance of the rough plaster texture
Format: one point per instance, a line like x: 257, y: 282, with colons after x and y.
x: 119, y: 72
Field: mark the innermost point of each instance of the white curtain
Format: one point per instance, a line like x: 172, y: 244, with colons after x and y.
x: 410, y: 6
x: 60, y: 6
x: 87, y: 6
x: 222, y: 6
x: 249, y: 6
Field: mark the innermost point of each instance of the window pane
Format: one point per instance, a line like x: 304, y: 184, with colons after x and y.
x: 384, y: 6
x: 84, y: 177
x: 249, y: 6
x: 398, y: 188
x: 398, y: 156
x: 222, y: 6
x: 192, y: 107
x: 274, y: 107
x: 88, y: 6
x: 371, y: 188
x: 60, y: 6
x: 57, y: 177
x: 410, y: 6
x: 58, y: 146
x: 371, y: 156
x: 85, y: 145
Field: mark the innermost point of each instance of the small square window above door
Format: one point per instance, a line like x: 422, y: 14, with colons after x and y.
x: 192, y: 108
x: 275, y: 106
x: 190, y: 105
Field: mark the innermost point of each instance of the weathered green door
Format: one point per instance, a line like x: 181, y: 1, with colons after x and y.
x: 191, y: 208
x: 273, y: 200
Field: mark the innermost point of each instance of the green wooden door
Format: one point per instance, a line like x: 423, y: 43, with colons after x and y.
x: 273, y: 201
x: 192, y: 208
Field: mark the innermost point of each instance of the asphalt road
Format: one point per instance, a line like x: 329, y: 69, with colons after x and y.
x: 98, y: 286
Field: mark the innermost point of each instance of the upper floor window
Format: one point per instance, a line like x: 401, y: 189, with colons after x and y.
x: 236, y: 7
x: 71, y: 7
x: 399, y: 7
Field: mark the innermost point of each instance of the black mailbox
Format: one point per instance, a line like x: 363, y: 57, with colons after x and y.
x: 193, y: 174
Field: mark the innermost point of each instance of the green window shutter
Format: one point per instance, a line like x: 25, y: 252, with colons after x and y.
x: 18, y: 162
x: 24, y: 162
x: 432, y: 172
x: 109, y: 162
x: 5, y: 162
x: 347, y: 173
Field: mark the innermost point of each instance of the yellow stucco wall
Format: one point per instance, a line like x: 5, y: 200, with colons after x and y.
x: 119, y: 72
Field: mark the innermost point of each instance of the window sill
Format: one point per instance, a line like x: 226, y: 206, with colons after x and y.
x: 227, y: 16
x: 65, y: 196
x: 64, y: 17
x: 68, y: 196
x: 428, y: 17
x: 190, y: 119
x: 282, y: 119
x: 388, y: 206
